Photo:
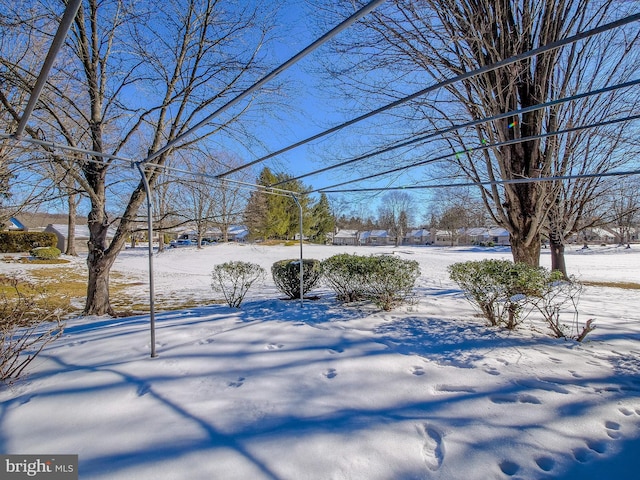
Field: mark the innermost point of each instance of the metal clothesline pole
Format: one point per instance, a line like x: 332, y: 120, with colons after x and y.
x: 152, y: 310
x: 301, y: 273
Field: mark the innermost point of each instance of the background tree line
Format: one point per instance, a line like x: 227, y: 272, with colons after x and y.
x: 133, y: 76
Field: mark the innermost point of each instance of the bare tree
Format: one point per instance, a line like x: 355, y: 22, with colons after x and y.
x: 394, y: 214
x: 146, y: 74
x: 230, y: 196
x: 625, y: 209
x: 413, y: 42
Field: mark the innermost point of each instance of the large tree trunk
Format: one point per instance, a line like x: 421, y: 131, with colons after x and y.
x: 98, y: 302
x: 525, y: 252
x: 99, y: 262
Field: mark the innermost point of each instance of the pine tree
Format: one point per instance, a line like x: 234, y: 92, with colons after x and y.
x: 323, y: 222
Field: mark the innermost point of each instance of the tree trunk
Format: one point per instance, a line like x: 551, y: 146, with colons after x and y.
x: 524, y: 252
x: 557, y: 257
x: 71, y: 227
x: 98, y: 302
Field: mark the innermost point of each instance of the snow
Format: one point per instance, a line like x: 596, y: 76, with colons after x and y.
x: 278, y: 391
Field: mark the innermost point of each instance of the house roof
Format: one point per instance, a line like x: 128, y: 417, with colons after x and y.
x: 423, y: 232
x: 39, y: 221
x: 238, y: 231
x: 82, y: 231
x: 346, y: 234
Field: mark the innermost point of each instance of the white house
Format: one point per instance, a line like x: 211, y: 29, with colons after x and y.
x: 484, y: 235
x: 446, y: 238
x: 376, y: 237
x: 346, y: 237
x: 418, y: 237
x: 238, y: 233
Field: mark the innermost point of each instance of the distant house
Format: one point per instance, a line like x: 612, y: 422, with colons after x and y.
x: 13, y: 225
x: 445, y: 238
x: 376, y: 237
x: 238, y: 233
x: 484, y: 235
x: 81, y: 236
x: 235, y: 233
x: 37, y: 222
x: 418, y: 237
x: 346, y: 237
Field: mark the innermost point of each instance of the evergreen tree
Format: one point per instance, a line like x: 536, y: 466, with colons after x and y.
x: 277, y: 215
x: 323, y: 222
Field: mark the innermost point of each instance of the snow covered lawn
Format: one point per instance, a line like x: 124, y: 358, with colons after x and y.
x: 276, y: 391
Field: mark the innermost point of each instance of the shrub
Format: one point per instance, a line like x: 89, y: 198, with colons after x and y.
x: 500, y: 288
x: 344, y: 273
x: 16, y: 242
x: 27, y: 324
x: 286, y: 275
x: 503, y: 290
x: 389, y: 280
x: 559, y: 296
x: 45, y: 253
x: 234, y: 279
x: 384, y: 280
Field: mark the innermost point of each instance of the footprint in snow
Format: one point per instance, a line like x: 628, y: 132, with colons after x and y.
x: 274, y: 346
x: 545, y: 463
x: 454, y: 389
x: 417, y: 370
x: 582, y: 455
x: 520, y: 398
x: 237, y: 384
x: 433, y: 447
x: 597, y: 446
x: 492, y: 371
x: 331, y: 373
x: 613, y: 429
x: 509, y: 468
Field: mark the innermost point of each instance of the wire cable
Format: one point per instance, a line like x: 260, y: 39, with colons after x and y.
x: 445, y: 83
x: 473, y: 123
x: 303, y: 53
x: 484, y: 146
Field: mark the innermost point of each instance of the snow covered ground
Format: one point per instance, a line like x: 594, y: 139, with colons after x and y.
x: 276, y: 391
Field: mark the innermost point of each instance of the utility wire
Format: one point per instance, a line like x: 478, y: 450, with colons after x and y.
x: 472, y: 123
x: 482, y: 147
x: 313, y: 46
x: 489, y: 182
x: 445, y: 83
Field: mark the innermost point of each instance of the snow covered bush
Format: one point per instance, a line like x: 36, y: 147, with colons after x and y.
x: 506, y: 293
x: 344, y: 273
x: 501, y: 288
x: 386, y: 280
x: 233, y: 280
x: 286, y: 275
x: 27, y: 324
x: 389, y: 280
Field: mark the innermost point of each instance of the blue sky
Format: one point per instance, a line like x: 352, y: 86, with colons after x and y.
x: 311, y: 109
